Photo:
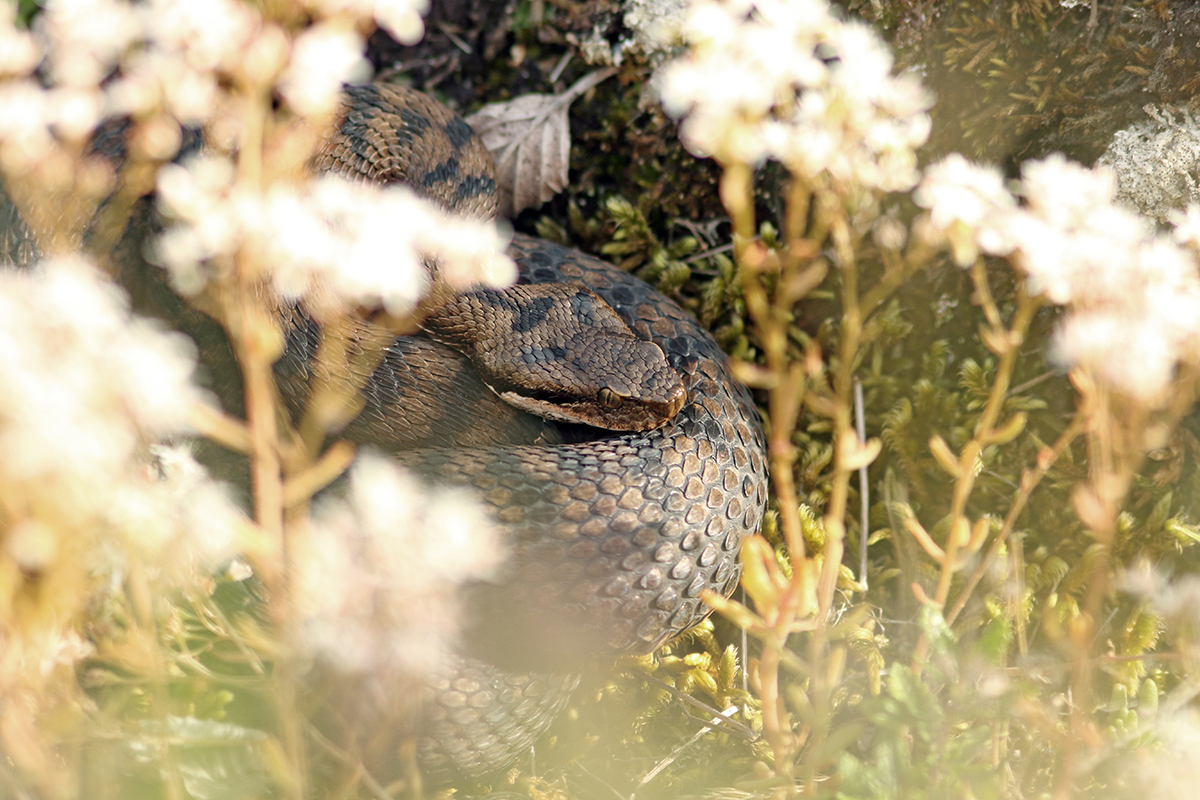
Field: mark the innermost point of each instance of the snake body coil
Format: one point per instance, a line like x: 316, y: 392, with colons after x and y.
x: 613, y: 536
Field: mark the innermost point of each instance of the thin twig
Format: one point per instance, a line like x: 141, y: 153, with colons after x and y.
x: 360, y: 771
x: 455, y: 38
x: 674, y: 754
x: 218, y: 426
x: 335, y: 461
x: 863, y: 491
x: 730, y: 726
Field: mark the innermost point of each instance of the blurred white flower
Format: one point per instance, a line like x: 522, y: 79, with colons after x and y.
x: 211, y: 36
x: 74, y: 113
x: 1076, y: 246
x: 377, y: 576
x: 185, y: 48
x: 85, y: 383
x: 177, y: 511
x: 324, y: 57
x: 969, y: 205
x: 107, y: 57
x: 1064, y: 193
x: 790, y: 81
x: 400, y: 18
x: 1170, y: 769
x: 200, y: 195
x: 19, y: 51
x: 24, y: 125
x: 88, y: 387
x: 1186, y: 226
x: 366, y: 243
x: 1130, y: 293
x: 370, y: 244
x: 87, y: 38
x: 1128, y: 350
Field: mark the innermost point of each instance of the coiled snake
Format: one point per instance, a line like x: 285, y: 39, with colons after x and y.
x: 614, y: 536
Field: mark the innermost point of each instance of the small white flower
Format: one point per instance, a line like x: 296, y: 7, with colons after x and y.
x: 400, y: 18
x: 1187, y: 226
x: 24, y: 125
x: 86, y: 384
x: 1065, y: 193
x: 74, y: 113
x: 369, y: 244
x: 376, y: 579
x: 1126, y: 350
x: 87, y: 37
x: 969, y: 205
x: 324, y: 57
x: 211, y: 218
x: 1130, y: 292
x: 19, y: 51
x: 789, y: 81
x: 210, y: 36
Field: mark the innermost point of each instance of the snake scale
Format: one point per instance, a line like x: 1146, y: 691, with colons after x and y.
x: 613, y: 536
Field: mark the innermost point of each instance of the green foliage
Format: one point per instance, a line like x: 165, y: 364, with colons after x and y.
x: 635, y: 247
x: 931, y: 734
x: 26, y: 11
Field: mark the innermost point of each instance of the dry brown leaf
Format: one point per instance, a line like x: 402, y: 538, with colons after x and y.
x: 530, y: 139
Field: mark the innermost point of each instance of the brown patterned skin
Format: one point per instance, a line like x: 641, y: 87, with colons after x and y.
x: 613, y: 536
x: 484, y: 716
x: 561, y: 352
x: 393, y: 134
x: 552, y: 350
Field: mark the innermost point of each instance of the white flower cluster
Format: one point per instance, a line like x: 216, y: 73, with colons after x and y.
x: 786, y: 79
x: 164, y: 61
x: 367, y: 243
x: 159, y: 60
x: 330, y: 53
x: 1130, y: 292
x: 87, y: 387
x: 400, y: 18
x: 171, y: 64
x: 323, y: 58
x: 375, y: 580
x: 968, y: 205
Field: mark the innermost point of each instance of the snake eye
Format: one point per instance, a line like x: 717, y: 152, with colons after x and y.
x: 609, y: 398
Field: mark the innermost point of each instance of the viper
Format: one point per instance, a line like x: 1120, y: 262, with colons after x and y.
x: 620, y: 514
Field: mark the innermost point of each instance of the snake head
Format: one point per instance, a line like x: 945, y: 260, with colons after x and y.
x: 616, y: 382
x: 560, y: 352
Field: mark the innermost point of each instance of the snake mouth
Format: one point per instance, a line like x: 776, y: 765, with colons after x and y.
x: 631, y: 415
